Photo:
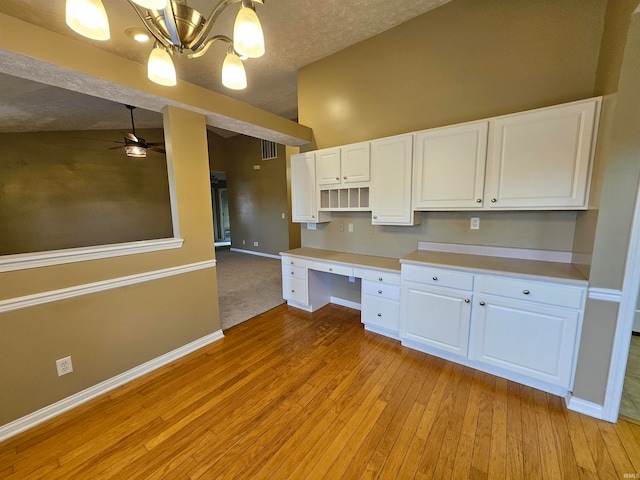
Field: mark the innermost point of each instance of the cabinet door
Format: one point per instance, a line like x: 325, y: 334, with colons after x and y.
x: 295, y: 289
x: 391, y: 160
x: 541, y: 159
x: 303, y: 188
x: 380, y: 312
x: 526, y: 338
x: 356, y: 165
x: 449, y: 167
x: 328, y: 166
x: 436, y: 317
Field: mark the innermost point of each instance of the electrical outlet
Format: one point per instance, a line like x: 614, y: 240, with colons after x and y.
x: 64, y: 366
x: 283, y: 216
x: 255, y: 244
x: 350, y: 228
x: 243, y: 242
x: 311, y: 226
x: 475, y: 223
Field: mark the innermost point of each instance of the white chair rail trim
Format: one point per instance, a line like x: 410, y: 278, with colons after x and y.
x: 78, y: 290
x: 604, y: 294
x: 20, y: 425
x: 23, y: 261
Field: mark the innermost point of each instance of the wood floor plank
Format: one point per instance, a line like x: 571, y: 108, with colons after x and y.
x: 293, y: 394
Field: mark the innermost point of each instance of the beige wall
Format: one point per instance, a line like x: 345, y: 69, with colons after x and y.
x: 70, y: 189
x: 110, y: 332
x: 257, y: 198
x: 616, y: 213
x: 463, y: 61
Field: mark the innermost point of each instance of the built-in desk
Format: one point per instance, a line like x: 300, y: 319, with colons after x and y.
x: 306, y: 284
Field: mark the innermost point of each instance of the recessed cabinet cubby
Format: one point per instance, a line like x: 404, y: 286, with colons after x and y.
x: 345, y: 198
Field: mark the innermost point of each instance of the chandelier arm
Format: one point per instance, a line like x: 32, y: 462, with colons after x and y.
x: 153, y: 30
x: 215, y: 13
x: 205, y: 46
x: 172, y: 27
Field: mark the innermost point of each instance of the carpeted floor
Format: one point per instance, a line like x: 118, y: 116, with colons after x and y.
x: 248, y: 285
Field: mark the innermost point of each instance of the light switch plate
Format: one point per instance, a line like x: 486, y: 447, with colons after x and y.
x: 475, y: 223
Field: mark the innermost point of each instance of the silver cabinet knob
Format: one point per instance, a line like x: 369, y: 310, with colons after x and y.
x: 466, y: 300
x: 344, y: 177
x: 380, y: 279
x: 379, y: 314
x: 482, y: 303
x: 478, y: 200
x: 313, y: 216
x: 291, y: 262
x: 375, y: 217
x: 291, y: 273
x: 380, y: 292
x: 435, y: 279
x: 526, y: 292
x: 337, y: 178
x: 493, y: 200
x: 293, y: 291
x: 330, y: 269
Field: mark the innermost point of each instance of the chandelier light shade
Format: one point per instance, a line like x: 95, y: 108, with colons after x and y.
x: 88, y: 18
x: 233, y: 74
x: 151, y: 4
x: 160, y: 68
x: 177, y: 28
x: 248, y: 39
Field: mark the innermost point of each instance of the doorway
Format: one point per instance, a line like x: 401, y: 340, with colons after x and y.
x: 220, y: 209
x: 630, y: 404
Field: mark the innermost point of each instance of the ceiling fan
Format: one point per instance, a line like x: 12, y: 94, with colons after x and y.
x: 135, y: 146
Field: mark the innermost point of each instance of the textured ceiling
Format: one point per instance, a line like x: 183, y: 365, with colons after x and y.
x: 297, y: 32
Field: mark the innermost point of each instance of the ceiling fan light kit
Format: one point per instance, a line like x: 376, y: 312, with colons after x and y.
x: 177, y: 27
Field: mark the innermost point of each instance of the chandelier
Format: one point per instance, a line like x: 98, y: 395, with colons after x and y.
x: 176, y: 28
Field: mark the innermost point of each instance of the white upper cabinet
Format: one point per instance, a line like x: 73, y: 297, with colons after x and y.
x: 347, y: 164
x: 541, y: 159
x: 304, y: 195
x: 449, y: 167
x: 391, y: 161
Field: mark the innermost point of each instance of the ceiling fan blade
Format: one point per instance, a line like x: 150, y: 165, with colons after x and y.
x: 157, y: 149
x: 155, y: 144
x: 113, y: 148
x: 131, y: 136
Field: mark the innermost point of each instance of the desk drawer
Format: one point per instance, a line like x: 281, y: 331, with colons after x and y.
x: 293, y: 261
x: 377, y: 289
x: 438, y: 276
x: 296, y: 272
x: 539, y: 292
x: 381, y: 312
x: 377, y: 276
x: 295, y: 289
x: 330, y: 268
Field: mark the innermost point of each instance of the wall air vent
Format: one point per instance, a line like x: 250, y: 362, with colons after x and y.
x: 269, y: 150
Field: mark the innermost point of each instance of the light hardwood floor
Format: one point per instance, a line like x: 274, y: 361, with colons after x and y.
x: 630, y: 405
x: 296, y: 395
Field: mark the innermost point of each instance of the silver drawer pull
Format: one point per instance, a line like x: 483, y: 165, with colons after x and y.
x: 526, y: 292
x: 482, y: 303
x: 291, y: 273
x: 293, y: 291
x: 493, y: 200
x: 466, y: 300
x: 379, y: 314
x: 344, y: 178
x: 478, y: 200
x: 291, y: 262
x: 435, y: 279
x: 330, y: 269
x: 380, y: 279
x: 380, y: 291
x: 337, y: 178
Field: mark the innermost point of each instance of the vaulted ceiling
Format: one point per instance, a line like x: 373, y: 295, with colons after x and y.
x: 297, y: 32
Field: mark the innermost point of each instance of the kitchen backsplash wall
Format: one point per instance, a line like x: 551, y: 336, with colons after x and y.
x: 531, y: 230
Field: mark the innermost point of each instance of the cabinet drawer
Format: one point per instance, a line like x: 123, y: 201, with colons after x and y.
x: 539, y: 292
x: 377, y: 276
x: 438, y: 276
x: 377, y: 289
x: 331, y: 268
x: 381, y: 312
x: 294, y: 261
x: 295, y: 289
x: 291, y: 271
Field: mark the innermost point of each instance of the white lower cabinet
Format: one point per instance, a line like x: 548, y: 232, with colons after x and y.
x: 522, y: 329
x: 527, y: 338
x: 436, y: 317
x: 380, y: 303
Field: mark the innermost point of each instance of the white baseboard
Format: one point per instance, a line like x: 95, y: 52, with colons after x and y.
x: 66, y: 404
x: 345, y: 303
x: 582, y: 406
x: 251, y: 252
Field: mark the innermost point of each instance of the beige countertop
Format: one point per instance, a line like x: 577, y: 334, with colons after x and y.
x: 548, y: 271
x: 352, y: 259
x: 540, y: 270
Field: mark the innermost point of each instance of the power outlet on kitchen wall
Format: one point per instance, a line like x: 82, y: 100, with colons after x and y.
x: 475, y: 223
